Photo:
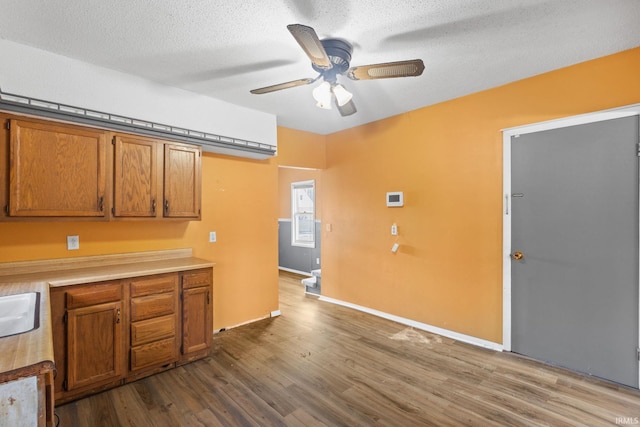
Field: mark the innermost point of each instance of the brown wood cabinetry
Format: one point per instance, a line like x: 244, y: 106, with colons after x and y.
x: 197, y: 324
x: 88, y: 338
x: 135, y: 173
x: 154, y: 327
x: 56, y: 170
x: 109, y: 333
x: 46, y: 397
x: 94, y: 344
x: 182, y: 181
x: 155, y: 179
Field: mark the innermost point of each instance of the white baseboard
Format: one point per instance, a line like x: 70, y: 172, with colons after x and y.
x: 419, y: 325
x: 290, y: 270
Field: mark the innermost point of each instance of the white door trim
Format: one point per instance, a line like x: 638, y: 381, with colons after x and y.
x: 507, y: 134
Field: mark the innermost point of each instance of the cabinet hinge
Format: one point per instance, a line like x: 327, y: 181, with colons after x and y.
x: 8, y: 125
x: 181, y: 296
x: 113, y: 141
x: 64, y: 385
x: 6, y: 209
x: 65, y: 318
x: 113, y: 211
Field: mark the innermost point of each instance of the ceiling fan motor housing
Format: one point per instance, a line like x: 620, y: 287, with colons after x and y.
x: 339, y: 53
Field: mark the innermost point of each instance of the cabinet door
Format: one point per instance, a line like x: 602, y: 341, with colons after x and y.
x: 182, y: 181
x: 196, y: 320
x: 136, y: 167
x: 56, y: 170
x: 94, y: 345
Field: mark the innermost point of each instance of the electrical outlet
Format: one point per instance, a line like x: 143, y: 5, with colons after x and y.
x: 73, y: 243
x: 394, y: 230
x: 212, y: 237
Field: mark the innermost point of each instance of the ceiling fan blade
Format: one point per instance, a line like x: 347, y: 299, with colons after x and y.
x: 411, y: 68
x: 310, y: 43
x: 347, y: 109
x: 281, y: 86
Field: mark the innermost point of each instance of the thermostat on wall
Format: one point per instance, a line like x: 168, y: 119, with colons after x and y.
x: 395, y: 199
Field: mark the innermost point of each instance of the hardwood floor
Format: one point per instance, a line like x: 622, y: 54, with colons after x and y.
x: 320, y: 364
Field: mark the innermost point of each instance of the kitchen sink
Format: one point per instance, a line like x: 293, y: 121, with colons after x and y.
x: 19, y: 313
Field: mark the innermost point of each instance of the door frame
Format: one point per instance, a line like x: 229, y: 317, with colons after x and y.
x: 507, y: 134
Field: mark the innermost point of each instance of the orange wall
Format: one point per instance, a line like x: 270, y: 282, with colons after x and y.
x: 301, y: 149
x: 447, y: 159
x: 239, y: 202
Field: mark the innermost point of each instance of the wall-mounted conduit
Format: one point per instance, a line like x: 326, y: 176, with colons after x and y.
x: 208, y: 141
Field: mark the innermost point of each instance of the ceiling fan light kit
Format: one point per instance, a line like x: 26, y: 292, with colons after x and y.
x: 342, y: 95
x: 331, y: 58
x: 322, y: 94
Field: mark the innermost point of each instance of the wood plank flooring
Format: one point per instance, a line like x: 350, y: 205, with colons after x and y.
x: 320, y: 364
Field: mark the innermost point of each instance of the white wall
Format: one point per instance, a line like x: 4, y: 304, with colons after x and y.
x: 43, y: 75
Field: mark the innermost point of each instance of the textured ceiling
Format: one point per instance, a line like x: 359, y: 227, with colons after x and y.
x: 225, y: 48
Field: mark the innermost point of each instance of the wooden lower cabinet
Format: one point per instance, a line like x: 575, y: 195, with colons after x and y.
x: 88, y: 338
x: 109, y: 333
x: 94, y: 345
x: 197, y: 324
x: 153, y: 339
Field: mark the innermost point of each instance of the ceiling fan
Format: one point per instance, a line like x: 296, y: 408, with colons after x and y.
x: 331, y: 57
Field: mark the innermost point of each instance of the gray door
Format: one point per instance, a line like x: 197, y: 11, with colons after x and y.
x: 575, y: 220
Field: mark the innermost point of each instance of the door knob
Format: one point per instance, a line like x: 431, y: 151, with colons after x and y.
x: 517, y: 255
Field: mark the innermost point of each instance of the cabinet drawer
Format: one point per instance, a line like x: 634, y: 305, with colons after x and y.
x: 152, y: 306
x: 94, y: 294
x: 153, y: 354
x: 150, y: 330
x: 195, y: 278
x: 154, y: 284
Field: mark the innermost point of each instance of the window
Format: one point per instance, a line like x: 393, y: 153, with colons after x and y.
x: 303, y: 227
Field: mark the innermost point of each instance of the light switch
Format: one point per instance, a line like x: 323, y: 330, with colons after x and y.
x: 212, y: 237
x: 395, y: 248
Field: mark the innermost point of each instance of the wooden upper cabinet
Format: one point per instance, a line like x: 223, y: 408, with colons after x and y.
x: 155, y: 179
x: 182, y: 181
x: 136, y: 168
x: 56, y: 170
